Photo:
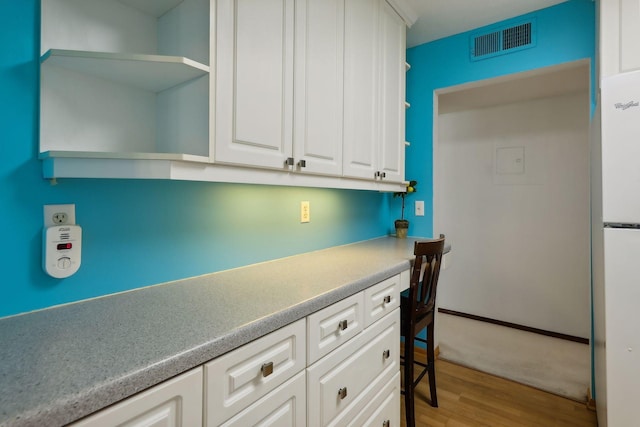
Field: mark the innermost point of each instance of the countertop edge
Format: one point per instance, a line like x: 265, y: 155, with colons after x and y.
x: 88, y: 400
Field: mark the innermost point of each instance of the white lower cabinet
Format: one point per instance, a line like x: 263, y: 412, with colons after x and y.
x: 381, y: 299
x: 333, y: 326
x: 283, y: 407
x: 384, y: 409
x: 175, y: 403
x: 340, y: 385
x: 241, y: 377
x: 351, y: 376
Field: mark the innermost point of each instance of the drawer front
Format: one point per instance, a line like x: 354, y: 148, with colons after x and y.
x: 239, y: 378
x: 338, y: 383
x: 383, y: 409
x: 333, y: 326
x: 176, y: 402
x: 285, y: 406
x: 381, y: 299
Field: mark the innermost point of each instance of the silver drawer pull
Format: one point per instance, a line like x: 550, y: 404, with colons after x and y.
x: 386, y: 354
x: 386, y: 423
x: 387, y: 299
x: 267, y: 369
x: 343, y: 325
x: 342, y: 393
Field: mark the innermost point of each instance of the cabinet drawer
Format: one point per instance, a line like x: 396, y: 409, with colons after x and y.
x: 176, y: 402
x: 239, y: 378
x: 383, y: 408
x: 284, y: 406
x: 381, y: 299
x: 333, y: 326
x: 337, y: 385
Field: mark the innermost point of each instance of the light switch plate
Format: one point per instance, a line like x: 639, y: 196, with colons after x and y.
x: 419, y: 207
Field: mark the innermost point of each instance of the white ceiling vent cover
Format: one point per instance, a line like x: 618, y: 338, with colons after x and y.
x: 499, y: 41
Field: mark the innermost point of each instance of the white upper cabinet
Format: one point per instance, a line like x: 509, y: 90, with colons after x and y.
x: 319, y: 82
x: 127, y: 76
x: 361, y: 131
x: 374, y: 91
x: 281, y: 92
x: 270, y: 111
x: 254, y: 97
x: 392, y: 86
x: 619, y: 36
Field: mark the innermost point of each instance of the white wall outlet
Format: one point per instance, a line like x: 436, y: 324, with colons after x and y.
x: 59, y: 215
x: 419, y: 207
x: 305, y: 212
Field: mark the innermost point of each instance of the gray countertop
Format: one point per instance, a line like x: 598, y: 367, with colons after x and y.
x: 61, y: 364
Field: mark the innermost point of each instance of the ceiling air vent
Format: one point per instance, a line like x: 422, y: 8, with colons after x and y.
x: 500, y: 41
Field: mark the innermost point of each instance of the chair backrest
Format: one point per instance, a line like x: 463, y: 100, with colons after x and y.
x: 424, y: 278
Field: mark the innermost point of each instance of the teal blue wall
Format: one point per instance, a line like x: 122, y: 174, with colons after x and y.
x: 565, y: 33
x: 138, y: 233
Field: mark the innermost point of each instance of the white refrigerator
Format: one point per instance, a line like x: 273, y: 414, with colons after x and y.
x: 616, y: 252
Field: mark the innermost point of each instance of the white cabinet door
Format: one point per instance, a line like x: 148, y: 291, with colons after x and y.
x: 174, y: 403
x: 254, y: 82
x: 392, y: 86
x: 319, y: 51
x: 374, y: 91
x: 361, y: 74
x: 629, y: 35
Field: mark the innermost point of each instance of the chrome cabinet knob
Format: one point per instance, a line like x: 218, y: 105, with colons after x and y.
x: 342, y: 393
x: 267, y: 369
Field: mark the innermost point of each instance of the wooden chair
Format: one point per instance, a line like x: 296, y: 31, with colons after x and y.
x: 417, y: 311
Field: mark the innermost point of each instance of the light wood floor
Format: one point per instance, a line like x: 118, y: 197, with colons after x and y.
x: 471, y: 398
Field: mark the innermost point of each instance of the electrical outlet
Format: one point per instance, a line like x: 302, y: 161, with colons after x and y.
x: 59, y: 214
x: 305, y: 212
x: 60, y: 218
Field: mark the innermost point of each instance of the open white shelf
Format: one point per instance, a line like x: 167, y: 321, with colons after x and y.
x: 154, y: 73
x: 122, y: 155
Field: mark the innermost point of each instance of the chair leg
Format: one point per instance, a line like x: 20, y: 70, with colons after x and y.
x: 408, y: 382
x: 431, y: 362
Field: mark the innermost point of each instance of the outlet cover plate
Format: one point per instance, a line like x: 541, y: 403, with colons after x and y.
x: 51, y: 210
x: 305, y: 212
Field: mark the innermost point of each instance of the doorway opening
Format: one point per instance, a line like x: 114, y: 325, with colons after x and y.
x: 511, y: 193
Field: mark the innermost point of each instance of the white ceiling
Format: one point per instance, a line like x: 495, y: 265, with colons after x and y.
x: 442, y: 18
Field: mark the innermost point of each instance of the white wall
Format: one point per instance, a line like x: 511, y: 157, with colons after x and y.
x: 520, y: 238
